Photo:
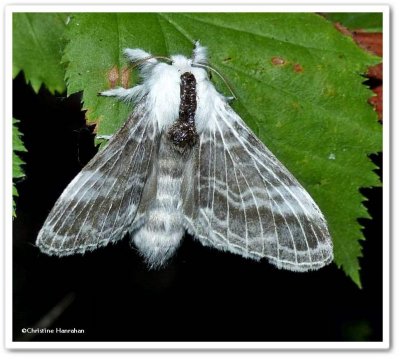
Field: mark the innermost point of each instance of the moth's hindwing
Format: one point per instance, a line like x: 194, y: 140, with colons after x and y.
x: 243, y: 200
x: 100, y: 204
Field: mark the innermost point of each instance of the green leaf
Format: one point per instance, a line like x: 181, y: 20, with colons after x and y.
x: 299, y: 86
x: 366, y: 21
x: 37, y: 49
x: 18, y: 172
x: 104, y: 36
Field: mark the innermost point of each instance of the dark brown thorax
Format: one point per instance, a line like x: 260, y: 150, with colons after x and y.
x: 183, y: 132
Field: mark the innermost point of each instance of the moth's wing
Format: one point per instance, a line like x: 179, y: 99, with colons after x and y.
x: 100, y: 204
x: 243, y: 200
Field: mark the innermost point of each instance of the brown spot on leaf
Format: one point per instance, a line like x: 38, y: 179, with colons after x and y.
x: 126, y: 74
x: 298, y: 68
x: 118, y: 77
x: 278, y: 61
x: 113, y: 76
x: 227, y: 59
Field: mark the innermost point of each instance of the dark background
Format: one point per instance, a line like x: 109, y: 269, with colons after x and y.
x: 202, y: 295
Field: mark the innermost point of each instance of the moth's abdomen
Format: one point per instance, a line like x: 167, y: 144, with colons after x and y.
x: 162, y: 231
x: 183, y: 132
x: 163, y: 228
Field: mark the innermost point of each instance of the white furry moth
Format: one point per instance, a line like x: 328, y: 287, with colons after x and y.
x: 185, y: 161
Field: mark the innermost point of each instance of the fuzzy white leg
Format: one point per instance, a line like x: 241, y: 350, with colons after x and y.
x: 199, y: 53
x: 123, y: 94
x: 135, y: 55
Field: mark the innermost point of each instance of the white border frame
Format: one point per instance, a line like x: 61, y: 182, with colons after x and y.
x: 179, y: 6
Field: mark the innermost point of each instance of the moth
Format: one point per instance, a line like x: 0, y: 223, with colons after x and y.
x: 185, y: 161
